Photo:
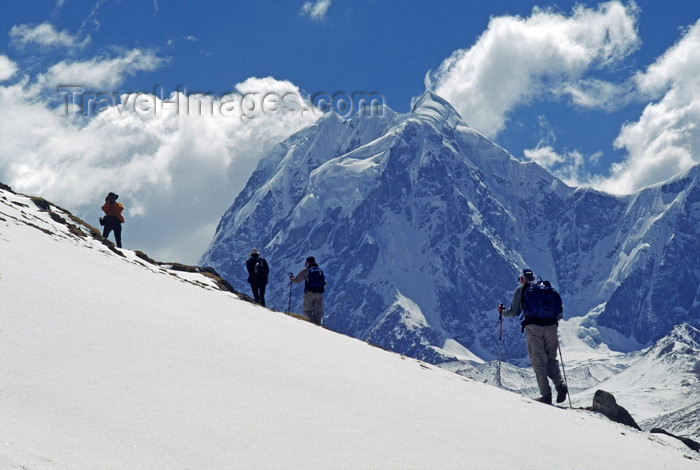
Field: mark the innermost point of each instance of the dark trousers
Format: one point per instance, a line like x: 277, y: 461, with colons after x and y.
x: 258, y: 293
x: 113, y: 224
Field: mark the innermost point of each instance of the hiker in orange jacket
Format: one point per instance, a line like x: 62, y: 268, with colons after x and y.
x: 113, y: 218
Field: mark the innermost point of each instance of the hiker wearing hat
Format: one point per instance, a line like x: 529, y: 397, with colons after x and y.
x: 542, y: 342
x: 314, y: 285
x: 113, y: 218
x: 257, y: 275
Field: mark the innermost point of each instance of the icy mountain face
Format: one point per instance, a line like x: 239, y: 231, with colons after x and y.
x: 279, y: 184
x: 656, y: 273
x: 393, y: 214
x: 422, y: 224
x: 635, y: 258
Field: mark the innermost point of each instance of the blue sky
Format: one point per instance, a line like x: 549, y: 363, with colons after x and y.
x: 604, y: 94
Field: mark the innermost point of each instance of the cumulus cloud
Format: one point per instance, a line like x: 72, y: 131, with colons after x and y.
x: 176, y: 168
x: 545, y: 56
x: 317, y: 10
x: 44, y: 35
x: 7, y: 68
x: 666, y: 138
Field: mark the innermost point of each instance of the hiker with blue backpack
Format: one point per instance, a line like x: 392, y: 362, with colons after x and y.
x: 541, y: 307
x: 258, y: 271
x: 314, y: 285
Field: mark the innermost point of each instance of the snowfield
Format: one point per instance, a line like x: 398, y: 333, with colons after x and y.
x: 111, y: 362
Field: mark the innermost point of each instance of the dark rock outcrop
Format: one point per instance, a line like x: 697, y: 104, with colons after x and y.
x: 689, y: 442
x: 604, y: 402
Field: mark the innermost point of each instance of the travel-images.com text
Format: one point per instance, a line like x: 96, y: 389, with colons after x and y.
x: 79, y: 102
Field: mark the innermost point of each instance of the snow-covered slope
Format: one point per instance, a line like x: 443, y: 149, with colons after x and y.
x: 111, y: 362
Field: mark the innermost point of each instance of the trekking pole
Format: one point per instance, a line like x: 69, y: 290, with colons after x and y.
x: 289, y: 306
x: 562, y: 369
x: 500, y: 341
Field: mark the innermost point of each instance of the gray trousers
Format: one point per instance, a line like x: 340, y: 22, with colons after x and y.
x: 313, y: 306
x: 542, y: 344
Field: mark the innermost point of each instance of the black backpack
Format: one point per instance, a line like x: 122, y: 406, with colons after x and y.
x: 260, y: 269
x: 541, y: 301
x: 317, y: 280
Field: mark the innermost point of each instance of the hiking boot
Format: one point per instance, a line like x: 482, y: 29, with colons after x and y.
x: 547, y: 399
x: 561, y: 393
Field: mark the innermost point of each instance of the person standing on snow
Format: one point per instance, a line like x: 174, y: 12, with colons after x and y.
x: 314, y: 287
x: 542, y: 342
x: 257, y: 275
x: 113, y: 218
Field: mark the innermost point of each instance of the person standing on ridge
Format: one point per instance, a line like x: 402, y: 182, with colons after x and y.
x: 113, y: 218
x: 314, y: 287
x: 257, y: 275
x: 541, y: 335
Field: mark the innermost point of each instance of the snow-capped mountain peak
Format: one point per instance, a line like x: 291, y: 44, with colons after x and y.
x: 433, y: 109
x: 419, y: 206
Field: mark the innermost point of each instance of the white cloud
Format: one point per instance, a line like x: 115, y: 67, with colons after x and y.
x: 317, y: 10
x: 595, y: 93
x: 7, y: 68
x: 568, y: 166
x: 104, y: 74
x: 548, y: 56
x: 91, y: 20
x: 666, y: 138
x: 544, y: 156
x: 176, y: 174
x: 44, y: 35
x: 545, y: 56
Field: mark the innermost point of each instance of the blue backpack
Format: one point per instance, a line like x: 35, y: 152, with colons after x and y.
x: 541, y: 301
x: 317, y: 280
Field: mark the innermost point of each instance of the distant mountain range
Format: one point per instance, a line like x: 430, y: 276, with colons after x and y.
x: 421, y: 225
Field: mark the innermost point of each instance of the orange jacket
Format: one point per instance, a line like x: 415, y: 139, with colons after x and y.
x: 115, y: 209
